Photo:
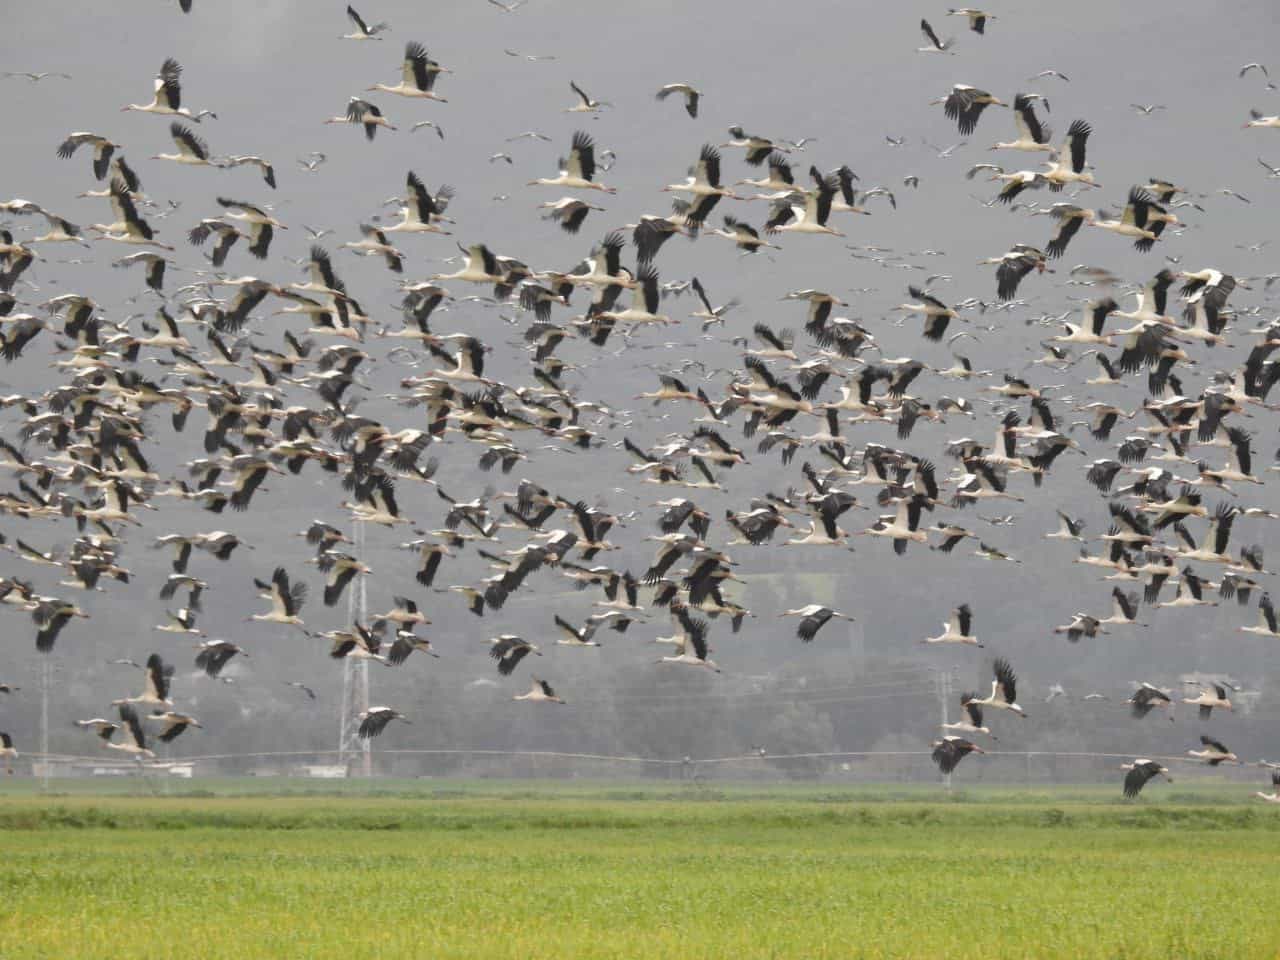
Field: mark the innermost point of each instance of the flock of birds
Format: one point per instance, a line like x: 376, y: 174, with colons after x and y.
x: 282, y: 404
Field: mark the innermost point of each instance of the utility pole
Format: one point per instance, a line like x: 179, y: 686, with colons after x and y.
x: 366, y: 745
x: 355, y: 672
x: 943, y: 684
x: 44, y: 719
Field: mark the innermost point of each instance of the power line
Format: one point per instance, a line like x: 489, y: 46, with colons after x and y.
x: 751, y: 757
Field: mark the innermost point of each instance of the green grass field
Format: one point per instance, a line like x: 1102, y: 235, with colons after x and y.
x: 227, y: 870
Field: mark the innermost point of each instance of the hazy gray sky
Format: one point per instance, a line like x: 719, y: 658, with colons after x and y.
x: 845, y: 74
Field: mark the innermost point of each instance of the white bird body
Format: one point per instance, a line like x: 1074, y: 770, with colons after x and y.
x: 156, y: 688
x: 1258, y: 120
x: 539, y: 692
x: 481, y: 267
x: 1210, y: 696
x: 167, y: 97
x: 135, y: 741
x: 957, y: 628
x: 361, y: 30
x: 192, y: 151
x: 418, y: 76
x: 576, y: 173
x: 1003, y: 696
x: 971, y: 721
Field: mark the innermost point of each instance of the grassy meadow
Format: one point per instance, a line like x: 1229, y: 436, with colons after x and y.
x: 239, y: 869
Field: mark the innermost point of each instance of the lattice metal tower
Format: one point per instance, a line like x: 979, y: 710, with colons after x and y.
x: 942, y: 681
x: 355, y: 672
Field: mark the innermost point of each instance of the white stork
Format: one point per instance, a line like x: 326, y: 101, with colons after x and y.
x: 569, y: 212
x: 936, y: 313
x: 167, y: 99
x: 129, y: 226
x: 1215, y: 752
x: 174, y: 724
x: 1004, y: 694
x: 508, y: 650
x: 1210, y: 696
x: 1140, y: 771
x: 971, y: 722
x: 374, y: 720
x: 481, y: 266
x: 102, y: 150
x: 365, y: 113
x: 977, y: 18
x: 957, y: 628
x: 934, y: 44
x: 1257, y: 119
x: 803, y: 212
x: 156, y: 689
x: 1133, y: 222
x: 1032, y: 134
x: 964, y: 104
x: 691, y: 95
x: 422, y: 210
x: 135, y: 740
x: 692, y: 649
x: 539, y: 692
x: 950, y: 750
x: 286, y: 600
x: 1073, y: 170
x: 1011, y: 267
x: 268, y: 171
x: 1146, y: 698
x: 1267, y: 625
x: 585, y: 103
x: 418, y: 75
x: 576, y: 174
x: 813, y: 618
x: 192, y: 150
x: 362, y: 30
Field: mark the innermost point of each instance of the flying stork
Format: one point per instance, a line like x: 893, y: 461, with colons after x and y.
x: 977, y: 18
x: 1210, y: 696
x: 135, y: 740
x: 1011, y: 267
x: 1032, y: 134
x: 950, y: 750
x: 1140, y: 771
x: 374, y: 720
x: 1215, y: 752
x: 577, y: 173
x: 192, y: 150
x: 1003, y: 689
x: 418, y: 75
x: 971, y: 722
x: 286, y: 599
x: 1274, y: 795
x: 167, y: 99
x: 964, y: 104
x: 102, y: 150
x: 156, y: 690
x: 1146, y: 698
x: 362, y: 30
x: 508, y: 650
x: 691, y: 96
x: 813, y: 618
x: 539, y: 692
x: 934, y: 44
x: 957, y: 628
